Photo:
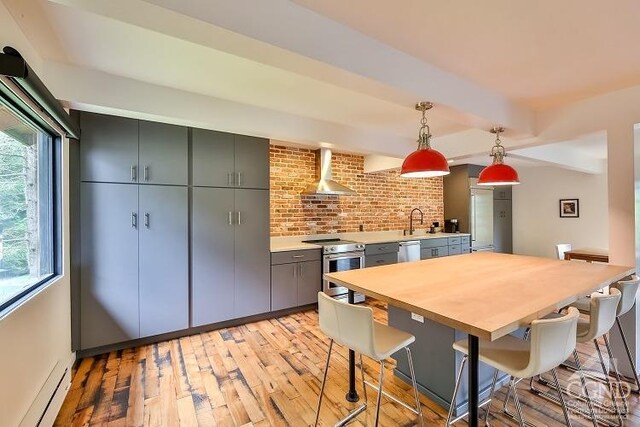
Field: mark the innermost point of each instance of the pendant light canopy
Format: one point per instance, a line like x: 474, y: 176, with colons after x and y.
x: 498, y: 173
x: 425, y: 162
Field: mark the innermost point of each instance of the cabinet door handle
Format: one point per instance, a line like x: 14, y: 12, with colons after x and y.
x: 230, y: 218
x: 295, y: 270
x: 239, y: 183
x: 146, y: 219
x: 134, y: 220
x: 239, y: 218
x: 380, y: 261
x: 134, y: 174
x: 229, y: 179
x: 297, y: 256
x: 146, y: 173
x: 300, y: 270
x: 382, y: 248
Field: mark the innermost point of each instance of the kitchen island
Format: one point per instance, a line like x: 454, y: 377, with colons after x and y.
x: 486, y: 295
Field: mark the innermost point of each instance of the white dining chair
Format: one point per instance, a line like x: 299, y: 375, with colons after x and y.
x: 353, y: 327
x: 561, y: 249
x: 550, y: 342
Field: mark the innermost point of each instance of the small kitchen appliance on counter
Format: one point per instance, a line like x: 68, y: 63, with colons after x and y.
x: 451, y: 225
x: 339, y: 255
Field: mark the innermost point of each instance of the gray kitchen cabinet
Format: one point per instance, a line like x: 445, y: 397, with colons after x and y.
x: 108, y: 149
x: 212, y: 255
x: 252, y: 287
x: 284, y: 286
x: 163, y: 259
x: 163, y: 154
x: 434, y: 243
x: 434, y: 252
x: 502, y: 193
x: 502, y: 226
x: 109, y: 264
x: 381, y: 259
x: 213, y: 158
x: 309, y: 282
x: 296, y: 278
x: 251, y: 162
x: 227, y: 160
x: 229, y: 254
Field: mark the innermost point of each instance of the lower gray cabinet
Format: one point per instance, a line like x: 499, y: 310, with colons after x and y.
x: 163, y: 259
x: 252, y: 285
x: 309, y: 282
x: 295, y: 284
x: 435, y: 252
x: 134, y: 275
x: 229, y: 254
x: 212, y: 255
x: 109, y: 264
x: 502, y: 226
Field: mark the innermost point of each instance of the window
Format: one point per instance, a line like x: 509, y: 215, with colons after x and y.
x: 27, y: 250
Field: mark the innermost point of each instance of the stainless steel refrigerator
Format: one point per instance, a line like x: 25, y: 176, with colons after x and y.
x: 481, y: 217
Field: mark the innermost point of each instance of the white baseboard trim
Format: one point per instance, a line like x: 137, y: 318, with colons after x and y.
x: 47, y: 404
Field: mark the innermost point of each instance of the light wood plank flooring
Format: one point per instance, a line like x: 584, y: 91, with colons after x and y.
x: 265, y: 373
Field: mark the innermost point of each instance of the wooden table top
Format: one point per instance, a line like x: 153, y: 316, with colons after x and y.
x: 485, y: 294
x: 588, y: 254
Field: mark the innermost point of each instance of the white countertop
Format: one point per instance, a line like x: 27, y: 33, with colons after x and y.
x: 294, y: 243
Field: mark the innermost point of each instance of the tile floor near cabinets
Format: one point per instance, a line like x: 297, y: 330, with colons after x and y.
x: 266, y: 373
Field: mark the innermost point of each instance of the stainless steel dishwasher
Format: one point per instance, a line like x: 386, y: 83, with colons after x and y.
x: 409, y: 251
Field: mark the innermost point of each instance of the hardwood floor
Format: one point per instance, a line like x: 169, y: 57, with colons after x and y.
x: 266, y: 373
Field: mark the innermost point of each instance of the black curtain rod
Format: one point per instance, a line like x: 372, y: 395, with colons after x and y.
x: 13, y: 65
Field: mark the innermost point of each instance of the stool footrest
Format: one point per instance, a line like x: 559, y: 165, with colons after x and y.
x: 346, y: 420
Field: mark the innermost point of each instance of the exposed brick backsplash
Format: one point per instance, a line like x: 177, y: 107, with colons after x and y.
x: 383, y: 202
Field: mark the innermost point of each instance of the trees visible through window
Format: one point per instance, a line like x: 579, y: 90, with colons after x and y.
x: 26, y: 232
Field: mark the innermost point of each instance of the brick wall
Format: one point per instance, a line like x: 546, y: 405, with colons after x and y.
x: 383, y: 202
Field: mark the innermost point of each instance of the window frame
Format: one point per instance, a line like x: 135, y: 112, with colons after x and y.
x: 54, y: 155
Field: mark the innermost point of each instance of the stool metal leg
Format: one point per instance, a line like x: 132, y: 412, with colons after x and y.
x: 617, y: 374
x: 584, y: 387
x: 364, y: 389
x: 608, y: 381
x: 491, y: 392
x: 455, y: 390
x: 324, y: 380
x: 415, y: 386
x: 379, y: 392
x: 512, y: 385
x: 562, y: 401
x: 626, y: 347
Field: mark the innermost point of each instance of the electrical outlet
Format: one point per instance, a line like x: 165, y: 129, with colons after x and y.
x: 417, y: 317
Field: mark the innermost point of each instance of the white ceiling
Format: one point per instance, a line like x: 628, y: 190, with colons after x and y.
x: 340, y: 74
x: 541, y: 53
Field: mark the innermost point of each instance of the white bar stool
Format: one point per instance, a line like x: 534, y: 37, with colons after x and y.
x: 561, y: 249
x: 354, y: 327
x: 602, y: 315
x: 551, y: 342
x: 629, y: 290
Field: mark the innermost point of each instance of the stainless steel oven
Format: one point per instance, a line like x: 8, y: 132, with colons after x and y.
x: 333, y: 263
x: 339, y: 255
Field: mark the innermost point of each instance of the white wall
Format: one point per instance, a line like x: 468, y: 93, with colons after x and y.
x: 537, y: 226
x: 35, y: 337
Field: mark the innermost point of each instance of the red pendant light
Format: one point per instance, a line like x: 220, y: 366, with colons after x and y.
x: 498, y: 173
x: 425, y: 162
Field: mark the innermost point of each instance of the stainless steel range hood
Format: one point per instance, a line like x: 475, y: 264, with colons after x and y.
x: 323, y: 184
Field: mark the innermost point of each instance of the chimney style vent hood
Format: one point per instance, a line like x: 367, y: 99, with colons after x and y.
x: 324, y: 185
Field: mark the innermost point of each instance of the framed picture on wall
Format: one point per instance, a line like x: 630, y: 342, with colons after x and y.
x: 569, y: 208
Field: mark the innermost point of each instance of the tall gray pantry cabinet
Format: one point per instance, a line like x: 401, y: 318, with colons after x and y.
x: 137, y: 209
x: 230, y: 263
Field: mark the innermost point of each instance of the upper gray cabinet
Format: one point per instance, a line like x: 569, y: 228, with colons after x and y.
x: 108, y: 148
x: 251, y: 162
x: 121, y: 150
x: 227, y: 160
x: 163, y: 154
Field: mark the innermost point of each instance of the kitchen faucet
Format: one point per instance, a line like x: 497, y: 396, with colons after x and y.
x: 411, y: 229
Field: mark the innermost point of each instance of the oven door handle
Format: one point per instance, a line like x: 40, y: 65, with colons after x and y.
x: 343, y: 256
